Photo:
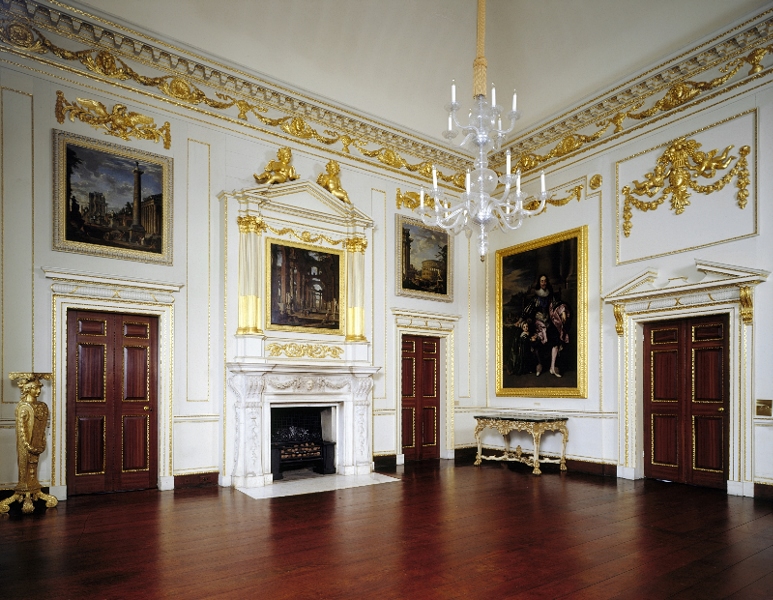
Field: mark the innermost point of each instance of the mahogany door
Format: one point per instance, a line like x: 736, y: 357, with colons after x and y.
x: 420, y: 397
x: 686, y: 389
x: 112, y: 382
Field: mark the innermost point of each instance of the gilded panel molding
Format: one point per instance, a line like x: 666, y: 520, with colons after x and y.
x: 116, y: 122
x: 294, y: 350
x: 677, y: 170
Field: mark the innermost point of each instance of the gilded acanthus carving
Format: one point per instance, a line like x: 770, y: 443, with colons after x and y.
x: 676, y: 172
x: 619, y: 311
x: 294, y: 350
x: 116, y: 122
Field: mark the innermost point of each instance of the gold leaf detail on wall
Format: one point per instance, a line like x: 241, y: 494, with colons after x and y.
x: 677, y: 170
x: 574, y: 194
x: 117, y: 122
x: 294, y: 350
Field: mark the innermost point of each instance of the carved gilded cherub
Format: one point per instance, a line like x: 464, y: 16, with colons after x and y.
x: 279, y: 170
x: 332, y: 182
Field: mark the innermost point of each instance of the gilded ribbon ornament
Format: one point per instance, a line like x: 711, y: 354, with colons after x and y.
x: 117, y: 122
x: 674, y: 174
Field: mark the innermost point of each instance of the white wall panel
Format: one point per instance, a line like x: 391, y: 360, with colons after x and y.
x: 17, y: 235
x: 196, y: 445
x: 199, y: 265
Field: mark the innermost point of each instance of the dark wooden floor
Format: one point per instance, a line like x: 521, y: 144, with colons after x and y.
x: 442, y: 532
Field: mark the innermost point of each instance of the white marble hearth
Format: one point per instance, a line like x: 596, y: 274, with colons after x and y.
x: 313, y: 483
x: 256, y: 388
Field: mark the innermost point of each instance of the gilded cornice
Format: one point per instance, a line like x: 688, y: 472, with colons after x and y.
x: 71, y: 39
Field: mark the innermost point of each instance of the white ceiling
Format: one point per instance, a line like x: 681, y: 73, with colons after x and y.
x: 395, y: 59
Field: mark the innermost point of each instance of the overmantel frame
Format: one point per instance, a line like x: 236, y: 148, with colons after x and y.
x: 723, y: 289
x: 304, y: 215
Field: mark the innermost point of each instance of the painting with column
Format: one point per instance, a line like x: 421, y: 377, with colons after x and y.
x: 111, y: 201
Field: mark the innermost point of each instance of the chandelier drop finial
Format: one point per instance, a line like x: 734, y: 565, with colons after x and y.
x: 478, y: 209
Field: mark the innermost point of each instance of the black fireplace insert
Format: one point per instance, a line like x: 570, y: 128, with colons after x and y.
x: 297, y: 441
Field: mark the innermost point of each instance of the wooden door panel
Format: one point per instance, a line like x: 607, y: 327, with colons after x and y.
x: 665, y: 376
x: 90, y: 445
x: 409, y: 427
x: 707, y: 375
x: 91, y: 372
x: 665, y: 440
x: 429, y: 378
x: 708, y: 441
x: 136, y: 452
x: 136, y: 368
x: 409, y: 377
x: 429, y: 426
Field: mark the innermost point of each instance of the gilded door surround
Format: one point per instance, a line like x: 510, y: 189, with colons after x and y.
x: 723, y: 289
x: 412, y: 322
x: 92, y: 291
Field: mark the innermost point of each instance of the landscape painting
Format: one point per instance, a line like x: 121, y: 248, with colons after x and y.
x: 423, y: 261
x: 111, y: 201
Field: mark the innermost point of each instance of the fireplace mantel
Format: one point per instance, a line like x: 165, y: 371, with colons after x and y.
x: 257, y: 387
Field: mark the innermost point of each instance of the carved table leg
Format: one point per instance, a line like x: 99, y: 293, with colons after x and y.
x: 478, y: 429
x: 537, y: 435
x: 5, y: 504
x: 564, y: 435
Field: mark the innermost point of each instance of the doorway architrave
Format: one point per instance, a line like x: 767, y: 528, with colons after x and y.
x: 722, y: 289
x: 92, y: 291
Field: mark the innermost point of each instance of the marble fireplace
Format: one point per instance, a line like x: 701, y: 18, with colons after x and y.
x: 257, y: 388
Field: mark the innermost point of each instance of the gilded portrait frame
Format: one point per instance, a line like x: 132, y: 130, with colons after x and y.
x: 435, y: 282
x: 94, y: 200
x: 305, y: 288
x: 529, y: 326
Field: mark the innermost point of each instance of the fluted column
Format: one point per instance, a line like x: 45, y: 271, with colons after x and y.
x: 250, y: 230
x: 355, y: 313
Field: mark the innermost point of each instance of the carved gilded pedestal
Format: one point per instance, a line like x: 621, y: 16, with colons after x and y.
x: 31, y: 422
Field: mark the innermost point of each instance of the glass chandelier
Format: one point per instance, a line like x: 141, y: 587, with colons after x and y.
x: 478, y: 209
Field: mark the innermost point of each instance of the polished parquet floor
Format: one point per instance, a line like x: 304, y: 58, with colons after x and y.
x: 444, y: 531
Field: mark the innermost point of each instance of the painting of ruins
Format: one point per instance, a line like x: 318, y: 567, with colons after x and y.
x: 424, y: 261
x: 305, y: 288
x: 111, y: 201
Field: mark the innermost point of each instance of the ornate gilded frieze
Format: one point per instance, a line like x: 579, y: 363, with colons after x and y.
x: 117, y: 122
x: 116, y: 54
x: 294, y: 350
x: 677, y: 171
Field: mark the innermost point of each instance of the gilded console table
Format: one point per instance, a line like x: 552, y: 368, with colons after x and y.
x: 536, y: 425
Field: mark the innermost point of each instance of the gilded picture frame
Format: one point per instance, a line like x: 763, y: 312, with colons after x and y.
x: 424, y: 266
x: 111, y: 201
x: 542, y: 317
x: 305, y: 288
